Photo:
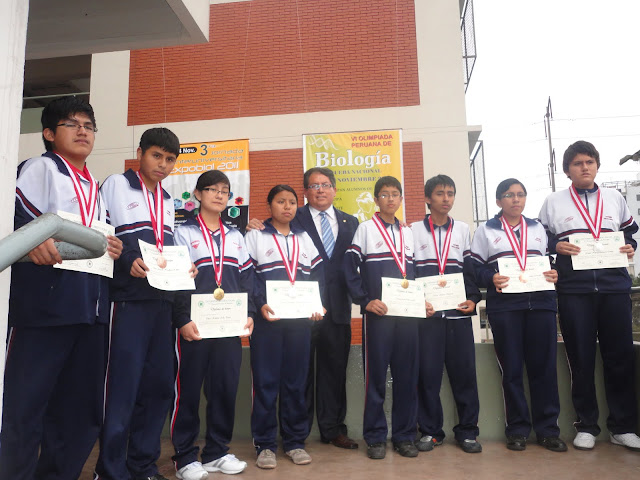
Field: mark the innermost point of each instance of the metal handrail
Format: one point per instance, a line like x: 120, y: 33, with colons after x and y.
x: 73, y: 241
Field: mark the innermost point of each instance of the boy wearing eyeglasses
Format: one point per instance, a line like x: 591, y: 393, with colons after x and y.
x: 594, y: 304
x: 55, y: 359
x: 140, y: 372
x: 442, y: 246
x: 381, y: 247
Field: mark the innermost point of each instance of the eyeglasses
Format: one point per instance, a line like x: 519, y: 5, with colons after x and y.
x: 384, y: 196
x: 511, y: 195
x: 318, y: 186
x: 88, y: 127
x: 215, y: 191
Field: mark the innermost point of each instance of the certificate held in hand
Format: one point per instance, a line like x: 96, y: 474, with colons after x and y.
x: 220, y: 318
x: 444, y: 292
x: 403, y: 301
x: 168, y: 270
x: 603, y: 252
x: 293, y: 300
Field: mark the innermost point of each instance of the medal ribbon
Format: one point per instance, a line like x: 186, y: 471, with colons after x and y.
x: 157, y: 215
x: 217, y: 269
x: 402, y: 264
x: 87, y: 205
x: 290, y: 267
x: 594, y: 224
x: 442, y: 259
x: 521, y: 251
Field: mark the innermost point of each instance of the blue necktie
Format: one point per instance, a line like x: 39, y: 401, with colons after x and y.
x: 327, y: 234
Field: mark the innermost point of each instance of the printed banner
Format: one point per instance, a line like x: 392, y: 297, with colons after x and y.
x: 230, y: 157
x: 358, y: 160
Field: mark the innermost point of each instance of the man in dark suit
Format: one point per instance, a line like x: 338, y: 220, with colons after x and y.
x: 331, y: 231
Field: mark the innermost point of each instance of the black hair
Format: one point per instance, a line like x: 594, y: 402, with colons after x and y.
x: 433, y: 182
x: 62, y: 109
x: 505, y: 185
x: 327, y: 172
x: 280, y: 188
x: 387, y: 181
x: 160, y: 137
x: 577, y: 148
x: 212, y: 177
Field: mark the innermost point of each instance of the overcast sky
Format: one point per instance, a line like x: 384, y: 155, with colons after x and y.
x: 585, y: 55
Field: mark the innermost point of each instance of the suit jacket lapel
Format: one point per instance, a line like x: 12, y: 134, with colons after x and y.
x: 342, y: 228
x: 306, y: 220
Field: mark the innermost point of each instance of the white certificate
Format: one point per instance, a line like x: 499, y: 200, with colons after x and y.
x: 444, y: 292
x: 531, y: 280
x: 100, y: 266
x: 220, y: 318
x: 601, y: 253
x: 403, y: 302
x: 300, y: 300
x: 169, y: 270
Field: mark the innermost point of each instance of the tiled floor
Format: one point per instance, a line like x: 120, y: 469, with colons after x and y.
x: 606, y: 461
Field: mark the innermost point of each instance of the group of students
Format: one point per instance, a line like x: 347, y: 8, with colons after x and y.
x: 89, y: 358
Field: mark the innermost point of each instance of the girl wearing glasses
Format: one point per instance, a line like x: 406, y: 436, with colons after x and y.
x: 280, y: 348
x: 224, y: 267
x: 523, y: 324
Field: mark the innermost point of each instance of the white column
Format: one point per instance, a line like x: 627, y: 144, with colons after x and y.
x: 13, y: 39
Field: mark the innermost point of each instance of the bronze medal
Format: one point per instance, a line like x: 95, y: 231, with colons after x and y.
x: 162, y: 262
x: 442, y: 283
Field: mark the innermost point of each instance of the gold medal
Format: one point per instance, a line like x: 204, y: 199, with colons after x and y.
x: 162, y: 262
x: 218, y: 293
x: 404, y: 283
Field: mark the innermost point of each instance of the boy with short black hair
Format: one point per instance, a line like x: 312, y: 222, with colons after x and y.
x: 594, y: 305
x: 58, y: 318
x: 442, y: 246
x: 140, y: 372
x: 382, y: 248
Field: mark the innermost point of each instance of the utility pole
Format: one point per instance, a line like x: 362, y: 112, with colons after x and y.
x: 552, y: 153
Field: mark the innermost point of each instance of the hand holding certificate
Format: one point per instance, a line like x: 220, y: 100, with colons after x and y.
x: 169, y: 270
x: 220, y: 318
x: 99, y: 266
x: 294, y: 300
x: 403, y: 301
x: 603, y: 252
x: 531, y: 279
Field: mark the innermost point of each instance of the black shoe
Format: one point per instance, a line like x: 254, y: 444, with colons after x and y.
x: 470, y: 445
x: 516, y: 442
x: 426, y: 443
x: 157, y: 476
x: 377, y: 451
x: 554, y: 444
x: 406, y: 448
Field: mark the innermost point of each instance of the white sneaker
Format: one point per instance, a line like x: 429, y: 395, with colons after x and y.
x: 629, y: 440
x: 584, y: 441
x: 299, y: 456
x: 193, y: 471
x: 228, y: 464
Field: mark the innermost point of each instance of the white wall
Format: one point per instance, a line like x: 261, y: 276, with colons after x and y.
x: 13, y: 37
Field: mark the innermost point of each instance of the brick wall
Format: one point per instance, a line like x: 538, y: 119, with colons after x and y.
x: 268, y: 57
